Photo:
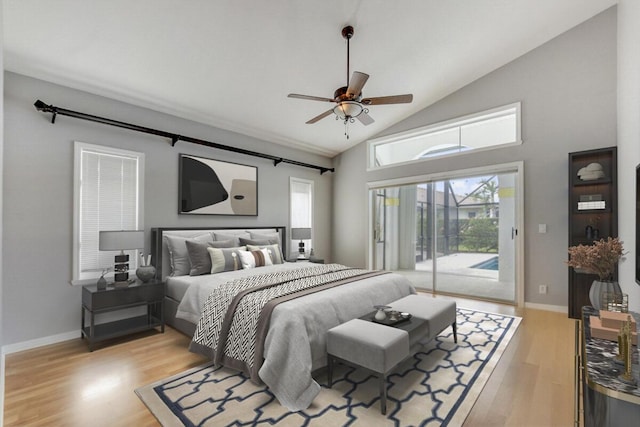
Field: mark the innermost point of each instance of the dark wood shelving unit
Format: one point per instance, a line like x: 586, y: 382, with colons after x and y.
x: 604, y: 220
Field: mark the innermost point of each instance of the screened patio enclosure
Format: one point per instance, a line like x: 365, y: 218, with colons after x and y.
x: 452, y: 236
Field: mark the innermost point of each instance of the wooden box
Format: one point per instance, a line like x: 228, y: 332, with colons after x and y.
x: 611, y: 334
x: 615, y: 320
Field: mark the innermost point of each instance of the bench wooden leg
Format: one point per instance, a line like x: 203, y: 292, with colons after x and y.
x: 455, y: 332
x: 383, y: 394
x: 329, y: 371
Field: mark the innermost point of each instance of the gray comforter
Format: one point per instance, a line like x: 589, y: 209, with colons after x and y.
x: 295, y: 345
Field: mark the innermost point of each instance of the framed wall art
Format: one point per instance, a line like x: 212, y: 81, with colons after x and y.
x: 214, y: 187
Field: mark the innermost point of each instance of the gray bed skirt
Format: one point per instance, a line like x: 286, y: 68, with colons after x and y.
x: 170, y: 308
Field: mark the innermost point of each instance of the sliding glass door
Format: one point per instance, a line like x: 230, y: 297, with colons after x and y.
x: 454, y: 236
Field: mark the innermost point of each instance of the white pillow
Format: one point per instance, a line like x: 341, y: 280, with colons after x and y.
x: 253, y: 259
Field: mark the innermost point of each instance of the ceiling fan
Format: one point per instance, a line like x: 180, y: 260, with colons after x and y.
x: 350, y: 104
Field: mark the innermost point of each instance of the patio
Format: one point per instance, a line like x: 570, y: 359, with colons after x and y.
x: 455, y: 275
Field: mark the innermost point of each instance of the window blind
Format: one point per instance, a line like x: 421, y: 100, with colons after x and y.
x: 108, y: 201
x: 301, y: 205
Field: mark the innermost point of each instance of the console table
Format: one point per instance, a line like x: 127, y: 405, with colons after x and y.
x: 607, y: 401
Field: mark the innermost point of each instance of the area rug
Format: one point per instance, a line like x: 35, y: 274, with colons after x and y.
x: 438, y: 386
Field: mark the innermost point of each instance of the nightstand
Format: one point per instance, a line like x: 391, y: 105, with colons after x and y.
x: 94, y: 301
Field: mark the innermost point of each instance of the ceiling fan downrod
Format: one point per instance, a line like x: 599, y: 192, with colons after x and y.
x: 347, y: 33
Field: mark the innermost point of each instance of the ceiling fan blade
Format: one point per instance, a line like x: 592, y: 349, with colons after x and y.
x: 365, y: 119
x: 310, y: 98
x: 356, y: 84
x: 393, y: 99
x: 320, y: 117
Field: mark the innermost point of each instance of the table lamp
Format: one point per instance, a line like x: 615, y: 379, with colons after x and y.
x: 301, y: 234
x: 121, y: 240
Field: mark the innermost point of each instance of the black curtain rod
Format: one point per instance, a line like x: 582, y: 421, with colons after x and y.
x: 41, y: 106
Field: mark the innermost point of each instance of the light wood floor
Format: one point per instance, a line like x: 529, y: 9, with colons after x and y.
x: 65, y: 385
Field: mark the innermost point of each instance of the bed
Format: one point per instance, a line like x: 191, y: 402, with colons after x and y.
x: 294, y: 344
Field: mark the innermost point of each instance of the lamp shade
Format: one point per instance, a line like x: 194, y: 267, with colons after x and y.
x: 121, y: 240
x: 347, y: 109
x: 300, y: 233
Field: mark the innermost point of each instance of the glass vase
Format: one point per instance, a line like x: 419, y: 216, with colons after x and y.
x: 600, y: 287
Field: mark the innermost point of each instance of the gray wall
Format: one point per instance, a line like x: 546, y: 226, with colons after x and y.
x: 38, y: 194
x: 628, y: 146
x: 568, y: 92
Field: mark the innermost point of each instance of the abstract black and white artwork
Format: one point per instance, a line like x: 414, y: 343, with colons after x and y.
x: 214, y: 187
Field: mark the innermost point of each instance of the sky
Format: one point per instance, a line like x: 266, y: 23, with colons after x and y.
x: 463, y: 186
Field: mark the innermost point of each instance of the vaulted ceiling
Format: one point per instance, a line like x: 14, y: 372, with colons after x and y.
x: 231, y: 63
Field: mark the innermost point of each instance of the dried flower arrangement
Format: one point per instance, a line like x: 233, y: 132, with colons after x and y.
x: 600, y: 258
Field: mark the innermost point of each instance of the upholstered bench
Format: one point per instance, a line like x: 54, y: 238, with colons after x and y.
x: 436, y: 313
x: 380, y: 348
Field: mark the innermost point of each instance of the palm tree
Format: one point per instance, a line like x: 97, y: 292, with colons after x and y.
x: 487, y: 193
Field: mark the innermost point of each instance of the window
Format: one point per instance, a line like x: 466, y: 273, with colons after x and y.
x: 486, y: 130
x: 108, y: 195
x: 301, y: 210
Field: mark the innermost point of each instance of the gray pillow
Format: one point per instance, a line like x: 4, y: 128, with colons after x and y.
x: 199, y: 257
x: 225, y: 259
x: 274, y: 238
x: 232, y: 236
x: 274, y: 251
x: 267, y: 236
x: 178, y: 254
x: 258, y: 242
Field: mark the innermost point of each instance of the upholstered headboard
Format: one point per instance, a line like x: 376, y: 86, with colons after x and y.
x: 160, y: 251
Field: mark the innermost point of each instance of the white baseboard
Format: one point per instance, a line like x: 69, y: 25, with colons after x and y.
x: 39, y: 342
x: 547, y: 307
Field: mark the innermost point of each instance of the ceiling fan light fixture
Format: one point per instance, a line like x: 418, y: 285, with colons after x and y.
x: 348, y: 109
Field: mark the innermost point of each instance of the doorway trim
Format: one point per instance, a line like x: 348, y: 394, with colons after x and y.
x: 517, y: 167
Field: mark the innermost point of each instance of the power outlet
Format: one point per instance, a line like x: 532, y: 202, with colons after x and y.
x: 542, y: 289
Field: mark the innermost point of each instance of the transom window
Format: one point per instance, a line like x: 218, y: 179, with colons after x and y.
x: 485, y: 130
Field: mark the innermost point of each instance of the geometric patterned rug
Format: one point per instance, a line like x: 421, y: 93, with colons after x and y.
x: 436, y: 387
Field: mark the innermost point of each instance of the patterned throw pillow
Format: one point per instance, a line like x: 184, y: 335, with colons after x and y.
x: 273, y: 250
x: 274, y: 238
x: 225, y: 259
x: 253, y: 259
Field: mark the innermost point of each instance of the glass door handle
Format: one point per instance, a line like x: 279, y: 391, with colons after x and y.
x: 514, y: 232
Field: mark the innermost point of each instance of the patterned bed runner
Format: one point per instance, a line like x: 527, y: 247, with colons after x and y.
x: 235, y: 316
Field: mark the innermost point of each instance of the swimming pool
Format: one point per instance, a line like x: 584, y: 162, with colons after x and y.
x: 490, y: 264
